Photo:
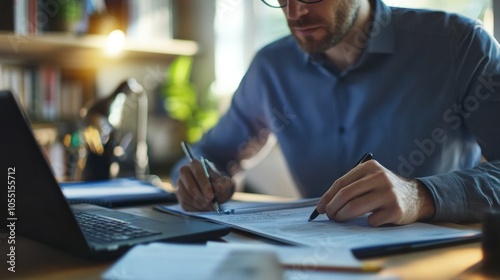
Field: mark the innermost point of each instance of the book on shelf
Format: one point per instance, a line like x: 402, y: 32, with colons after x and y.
x: 11, y: 77
x: 7, y: 16
x: 42, y: 91
x: 20, y: 16
x: 36, y: 16
x: 48, y: 85
x: 139, y: 19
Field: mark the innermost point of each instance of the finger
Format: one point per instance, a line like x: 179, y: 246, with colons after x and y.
x: 203, y: 180
x: 224, y: 188
x: 190, y: 185
x: 214, y: 171
x: 351, y: 176
x: 184, y: 198
x: 326, y: 198
x: 349, y: 193
x: 380, y: 199
x: 214, y: 168
x: 382, y: 216
x: 188, y: 202
x: 219, y: 182
x: 366, y: 203
x: 223, y: 185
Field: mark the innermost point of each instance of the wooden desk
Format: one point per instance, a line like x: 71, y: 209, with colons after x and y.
x: 38, y: 261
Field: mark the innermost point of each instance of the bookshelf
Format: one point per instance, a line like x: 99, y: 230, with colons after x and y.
x: 55, y: 72
x: 88, y: 51
x: 56, y: 45
x: 76, y: 58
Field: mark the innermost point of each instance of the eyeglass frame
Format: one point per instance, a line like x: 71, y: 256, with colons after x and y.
x: 302, y: 1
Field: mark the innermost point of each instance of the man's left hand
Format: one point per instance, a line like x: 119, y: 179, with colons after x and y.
x: 370, y: 187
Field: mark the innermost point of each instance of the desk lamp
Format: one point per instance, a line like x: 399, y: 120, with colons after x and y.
x: 115, y: 134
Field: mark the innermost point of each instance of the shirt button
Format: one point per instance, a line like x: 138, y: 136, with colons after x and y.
x: 342, y: 130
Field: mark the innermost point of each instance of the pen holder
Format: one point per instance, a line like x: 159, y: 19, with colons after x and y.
x: 491, y: 241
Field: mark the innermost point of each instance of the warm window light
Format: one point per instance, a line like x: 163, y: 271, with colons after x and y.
x: 116, y: 40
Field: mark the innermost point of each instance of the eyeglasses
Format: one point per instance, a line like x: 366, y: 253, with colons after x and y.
x: 283, y: 3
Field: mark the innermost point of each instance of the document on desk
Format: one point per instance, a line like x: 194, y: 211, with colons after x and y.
x: 180, y: 261
x: 305, y: 257
x: 290, y: 226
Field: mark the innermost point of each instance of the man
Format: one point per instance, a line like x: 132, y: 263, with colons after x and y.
x: 418, y: 89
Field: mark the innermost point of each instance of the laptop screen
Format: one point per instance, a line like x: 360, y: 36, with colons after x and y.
x: 36, y: 205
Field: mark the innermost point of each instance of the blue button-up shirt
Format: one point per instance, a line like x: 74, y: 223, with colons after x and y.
x: 423, y: 98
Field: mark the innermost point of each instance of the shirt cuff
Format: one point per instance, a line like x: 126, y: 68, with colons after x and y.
x: 450, y: 198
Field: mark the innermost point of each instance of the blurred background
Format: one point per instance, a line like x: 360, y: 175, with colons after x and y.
x: 115, y: 85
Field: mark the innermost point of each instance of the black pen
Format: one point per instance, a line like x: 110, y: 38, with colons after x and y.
x: 204, y: 162
x: 366, y: 157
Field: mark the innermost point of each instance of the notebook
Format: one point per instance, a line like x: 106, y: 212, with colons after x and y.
x: 36, y: 207
x: 120, y: 192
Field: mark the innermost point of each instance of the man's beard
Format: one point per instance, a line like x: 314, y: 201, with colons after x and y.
x: 338, y: 27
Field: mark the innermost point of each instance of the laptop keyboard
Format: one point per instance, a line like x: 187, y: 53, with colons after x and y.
x: 104, y: 230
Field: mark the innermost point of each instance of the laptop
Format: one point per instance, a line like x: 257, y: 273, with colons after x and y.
x: 36, y: 207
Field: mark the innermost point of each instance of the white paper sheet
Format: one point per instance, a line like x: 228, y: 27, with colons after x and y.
x: 166, y: 261
x: 300, y: 256
x: 291, y: 226
x: 174, y: 261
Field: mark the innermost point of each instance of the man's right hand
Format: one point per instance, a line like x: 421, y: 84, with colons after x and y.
x: 194, y: 192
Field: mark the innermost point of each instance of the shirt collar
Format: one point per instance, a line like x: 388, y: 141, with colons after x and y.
x: 381, y: 34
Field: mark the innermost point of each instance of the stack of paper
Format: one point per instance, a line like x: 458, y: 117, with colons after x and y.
x: 162, y: 260
x: 288, y: 223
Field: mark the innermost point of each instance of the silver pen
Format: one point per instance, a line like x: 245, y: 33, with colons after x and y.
x: 215, y: 202
x: 187, y: 150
